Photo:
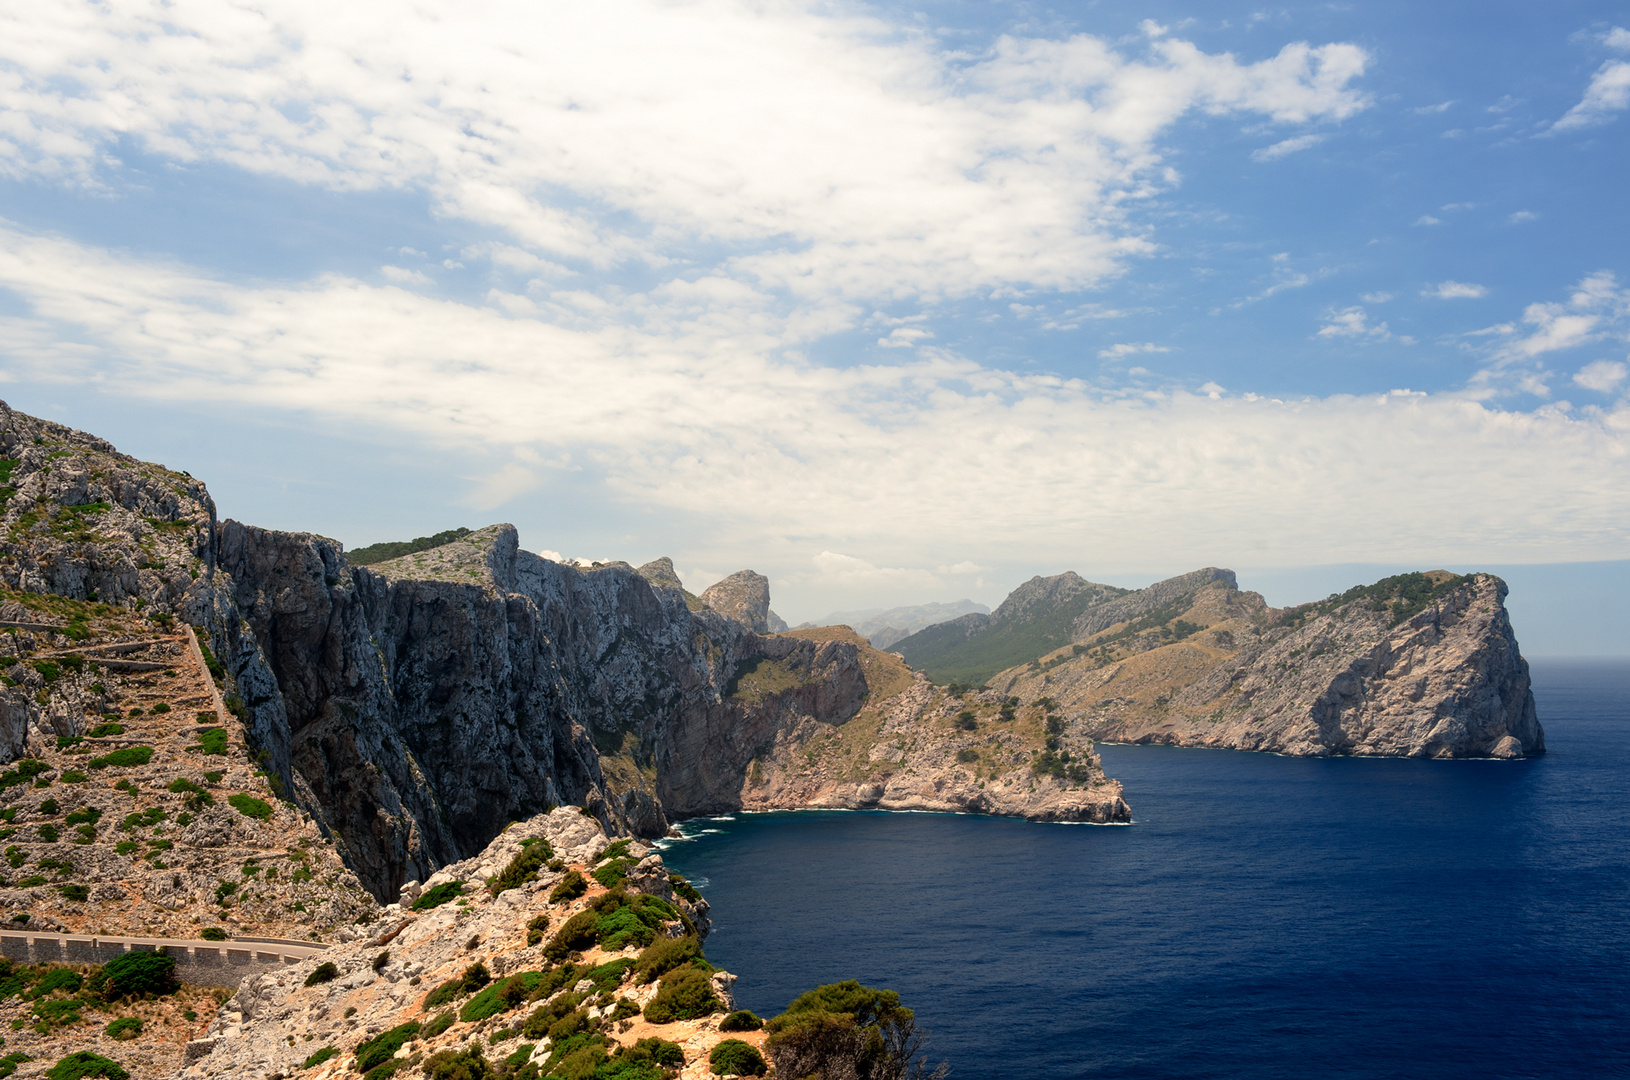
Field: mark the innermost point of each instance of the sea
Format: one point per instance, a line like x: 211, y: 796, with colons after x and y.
x: 1261, y: 917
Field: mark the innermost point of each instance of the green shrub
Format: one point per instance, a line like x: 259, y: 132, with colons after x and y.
x: 441, y: 995
x: 212, y: 933
x: 741, y: 1020
x: 612, y: 873
x: 50, y: 808
x: 26, y: 770
x: 844, y: 1029
x: 441, y: 894
x: 102, y: 731
x: 500, y: 997
x: 125, y: 847
x: 665, y: 954
x: 212, y: 741
x: 609, y: 976
x: 9, y: 1063
x: 534, y: 853
x: 73, y: 776
x: 322, y: 973
x: 56, y: 1014
x: 474, y: 978
x: 441, y: 1023
x: 569, y: 888
x: 32, y: 881
x: 319, y: 1057
x: 250, y: 807
x: 684, y: 994
x: 48, y: 670
x: 967, y: 754
x: 66, y: 980
x: 137, y: 973
x: 76, y: 893
x: 683, y: 888
x: 83, y: 1065
x: 732, y: 1057
x: 465, y: 1064
x: 66, y: 742
x: 382, y: 1047
x: 576, y: 935
x: 125, y: 1027
x: 128, y: 758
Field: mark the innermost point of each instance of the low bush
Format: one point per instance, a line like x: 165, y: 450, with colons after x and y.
x: 732, y: 1057
x: 102, y: 731
x: 535, y: 852
x: 609, y: 976
x: 212, y: 741
x: 441, y: 1023
x: 465, y: 1064
x: 967, y: 754
x: 683, y: 888
x: 73, y: 776
x: 322, y: 973
x: 129, y: 757
x: 251, y: 807
x: 441, y: 894
x: 135, y: 974
x: 665, y: 954
x: 441, y: 995
x: 125, y: 1027
x: 319, y: 1057
x: 569, y: 888
x: 382, y: 1047
x: 501, y: 997
x: 683, y: 994
x: 212, y: 933
x: 83, y: 1065
x: 76, y: 893
x: 741, y: 1020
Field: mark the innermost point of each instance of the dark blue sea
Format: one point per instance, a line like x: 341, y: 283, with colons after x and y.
x: 1263, y: 917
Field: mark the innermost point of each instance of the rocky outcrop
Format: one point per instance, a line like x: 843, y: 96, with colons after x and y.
x: 745, y: 597
x: 1422, y: 665
x: 386, y: 974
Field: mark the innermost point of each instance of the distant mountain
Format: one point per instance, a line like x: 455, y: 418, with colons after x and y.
x: 885, y: 626
x: 1036, y: 618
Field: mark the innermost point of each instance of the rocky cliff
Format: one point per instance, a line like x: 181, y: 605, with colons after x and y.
x: 415, y: 707
x: 1420, y: 665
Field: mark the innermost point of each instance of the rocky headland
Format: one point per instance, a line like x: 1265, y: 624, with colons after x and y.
x: 1417, y: 665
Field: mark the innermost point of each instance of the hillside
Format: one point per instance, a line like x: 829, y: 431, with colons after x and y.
x: 1422, y: 664
x: 1037, y: 617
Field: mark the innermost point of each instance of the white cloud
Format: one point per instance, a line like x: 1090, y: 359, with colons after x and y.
x: 1608, y: 92
x: 1286, y: 146
x: 1127, y: 348
x: 1602, y: 376
x: 1522, y: 215
x: 1597, y: 309
x: 1376, y: 297
x: 904, y: 337
x: 1433, y: 110
x: 401, y: 275
x: 828, y: 154
x: 932, y: 461
x: 1455, y: 290
x: 1428, y: 219
x: 1352, y: 322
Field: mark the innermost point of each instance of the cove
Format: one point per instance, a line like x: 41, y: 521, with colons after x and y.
x: 1263, y: 917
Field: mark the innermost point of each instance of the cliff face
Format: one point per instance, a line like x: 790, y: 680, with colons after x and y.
x: 1424, y: 665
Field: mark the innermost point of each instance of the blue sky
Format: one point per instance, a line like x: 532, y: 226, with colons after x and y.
x: 892, y: 303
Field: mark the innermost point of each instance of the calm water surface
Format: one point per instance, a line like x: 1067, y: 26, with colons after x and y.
x: 1263, y: 917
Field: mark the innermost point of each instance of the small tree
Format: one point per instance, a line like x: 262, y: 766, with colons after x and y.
x: 846, y: 1031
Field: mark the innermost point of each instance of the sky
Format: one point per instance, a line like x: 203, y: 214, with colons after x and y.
x: 893, y: 303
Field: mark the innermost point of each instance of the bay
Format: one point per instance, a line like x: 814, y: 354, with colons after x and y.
x: 1263, y: 916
